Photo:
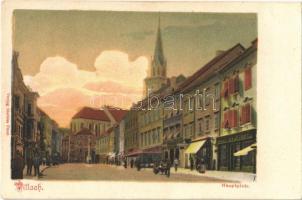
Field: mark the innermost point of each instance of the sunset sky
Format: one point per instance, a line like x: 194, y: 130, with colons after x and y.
x: 91, y: 58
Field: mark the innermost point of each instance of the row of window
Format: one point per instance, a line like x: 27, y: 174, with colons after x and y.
x: 231, y: 86
x: 171, y: 113
x: 149, y: 117
x: 230, y: 117
x: 204, y: 124
x: 150, y: 137
x: 103, y: 141
x: 96, y: 128
x: 131, y: 139
x: 131, y: 123
x: 17, y: 105
x: 172, y: 132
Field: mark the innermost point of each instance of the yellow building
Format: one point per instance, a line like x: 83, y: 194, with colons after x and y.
x: 201, y: 108
x: 106, y: 145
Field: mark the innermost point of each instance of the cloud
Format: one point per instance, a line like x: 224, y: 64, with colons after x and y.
x: 63, y: 87
x: 115, y: 65
x: 112, y: 87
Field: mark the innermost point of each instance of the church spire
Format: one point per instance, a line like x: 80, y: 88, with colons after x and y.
x: 159, y: 58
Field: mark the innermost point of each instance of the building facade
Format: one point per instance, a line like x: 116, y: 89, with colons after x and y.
x: 26, y: 128
x: 82, y: 146
x: 106, y: 146
x: 96, y: 120
x: 49, y: 136
x: 131, y: 140
x: 238, y: 114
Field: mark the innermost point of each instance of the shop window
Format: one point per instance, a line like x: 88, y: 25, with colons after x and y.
x: 248, y: 161
x: 223, y: 156
x: 248, y: 78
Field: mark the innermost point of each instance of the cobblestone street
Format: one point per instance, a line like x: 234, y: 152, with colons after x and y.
x: 115, y: 173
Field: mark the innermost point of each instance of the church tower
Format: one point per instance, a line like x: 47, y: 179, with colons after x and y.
x: 157, y: 77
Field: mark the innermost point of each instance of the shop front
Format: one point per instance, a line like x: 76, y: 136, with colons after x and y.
x: 171, y: 149
x: 132, y: 154
x: 237, y: 152
x: 200, y: 150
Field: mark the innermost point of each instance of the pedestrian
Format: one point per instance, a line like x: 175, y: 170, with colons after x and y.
x: 197, y: 163
x: 17, y: 166
x: 132, y: 163
x: 191, y: 163
x: 29, y: 164
x: 175, y: 164
x: 202, y: 166
x: 36, y: 161
x: 125, y: 163
x: 168, y: 167
x: 138, y: 164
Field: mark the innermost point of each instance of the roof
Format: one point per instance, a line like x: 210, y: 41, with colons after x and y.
x: 253, y: 47
x: 91, y: 113
x: 117, y: 113
x: 84, y: 131
x: 42, y: 112
x: 216, y: 63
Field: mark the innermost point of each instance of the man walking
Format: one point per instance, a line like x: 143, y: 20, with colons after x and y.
x: 125, y: 163
x: 168, y: 168
x: 29, y: 163
x: 36, y: 163
x: 132, y: 163
x: 191, y: 163
x: 17, y: 166
x: 175, y: 164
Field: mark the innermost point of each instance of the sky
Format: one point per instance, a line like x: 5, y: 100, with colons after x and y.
x: 91, y: 58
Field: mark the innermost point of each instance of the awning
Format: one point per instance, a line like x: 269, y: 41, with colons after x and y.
x: 134, y: 152
x: 157, y: 149
x: 246, y: 150
x: 195, y: 146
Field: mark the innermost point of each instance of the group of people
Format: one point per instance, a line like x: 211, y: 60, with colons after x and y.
x: 199, y: 164
x: 33, y: 161
x: 132, y: 163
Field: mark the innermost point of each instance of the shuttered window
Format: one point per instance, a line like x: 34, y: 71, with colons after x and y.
x: 245, y: 116
x: 225, y: 92
x: 248, y: 78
